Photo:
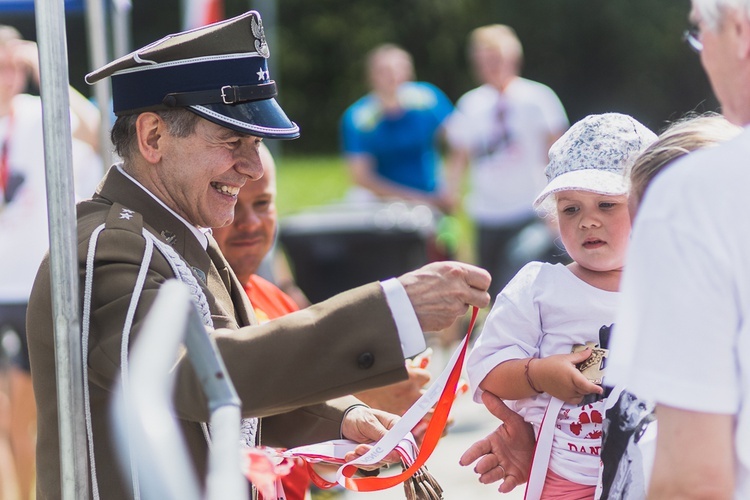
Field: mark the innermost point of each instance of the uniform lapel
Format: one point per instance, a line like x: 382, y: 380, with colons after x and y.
x: 118, y: 188
x: 243, y: 310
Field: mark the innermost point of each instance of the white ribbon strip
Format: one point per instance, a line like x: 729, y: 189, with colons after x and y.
x: 398, y: 436
x: 543, y: 451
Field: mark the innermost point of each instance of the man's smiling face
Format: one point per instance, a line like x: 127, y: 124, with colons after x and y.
x: 200, y: 175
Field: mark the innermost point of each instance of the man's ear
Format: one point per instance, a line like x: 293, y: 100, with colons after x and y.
x: 150, y: 129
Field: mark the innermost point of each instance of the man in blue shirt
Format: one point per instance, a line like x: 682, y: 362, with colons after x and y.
x: 390, y: 136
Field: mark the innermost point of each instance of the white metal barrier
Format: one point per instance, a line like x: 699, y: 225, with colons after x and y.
x: 143, y: 416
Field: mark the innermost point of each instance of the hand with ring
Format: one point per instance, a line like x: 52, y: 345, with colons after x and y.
x: 506, y: 453
x: 505, y: 474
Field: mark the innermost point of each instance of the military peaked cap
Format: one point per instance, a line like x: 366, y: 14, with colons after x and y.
x: 219, y: 72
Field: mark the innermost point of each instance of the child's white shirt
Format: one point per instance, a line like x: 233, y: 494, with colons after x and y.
x: 545, y: 310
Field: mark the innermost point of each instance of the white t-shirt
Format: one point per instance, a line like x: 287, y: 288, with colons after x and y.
x: 683, y: 336
x: 23, y: 217
x: 507, y: 135
x: 545, y: 310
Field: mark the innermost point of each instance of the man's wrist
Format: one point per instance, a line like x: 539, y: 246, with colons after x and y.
x: 346, y: 413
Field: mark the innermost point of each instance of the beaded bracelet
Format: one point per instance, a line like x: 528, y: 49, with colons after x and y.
x: 528, y: 377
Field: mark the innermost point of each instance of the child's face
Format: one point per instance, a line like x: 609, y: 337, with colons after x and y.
x: 594, y: 228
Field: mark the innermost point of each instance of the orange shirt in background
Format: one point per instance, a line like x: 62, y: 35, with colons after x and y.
x: 269, y: 302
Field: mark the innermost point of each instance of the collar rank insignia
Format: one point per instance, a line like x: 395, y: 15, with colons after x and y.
x: 170, y: 237
x: 126, y: 214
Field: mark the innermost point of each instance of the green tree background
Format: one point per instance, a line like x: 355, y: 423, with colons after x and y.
x: 598, y: 55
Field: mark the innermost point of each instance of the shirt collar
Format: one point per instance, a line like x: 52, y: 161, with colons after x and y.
x: 198, y: 232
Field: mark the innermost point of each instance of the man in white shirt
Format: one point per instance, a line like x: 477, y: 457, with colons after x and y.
x: 501, y: 132
x: 682, y: 337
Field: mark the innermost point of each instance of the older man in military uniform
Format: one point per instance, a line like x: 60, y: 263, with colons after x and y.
x: 192, y: 109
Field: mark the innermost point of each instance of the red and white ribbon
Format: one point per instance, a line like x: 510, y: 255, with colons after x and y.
x: 439, y: 395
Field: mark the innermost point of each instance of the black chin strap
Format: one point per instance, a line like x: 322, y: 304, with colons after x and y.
x: 228, y: 94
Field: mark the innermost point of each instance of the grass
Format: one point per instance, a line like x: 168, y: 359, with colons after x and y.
x: 310, y: 181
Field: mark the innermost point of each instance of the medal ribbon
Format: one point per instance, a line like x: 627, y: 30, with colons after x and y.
x: 440, y: 395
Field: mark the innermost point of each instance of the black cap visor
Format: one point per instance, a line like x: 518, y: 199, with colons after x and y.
x: 258, y: 118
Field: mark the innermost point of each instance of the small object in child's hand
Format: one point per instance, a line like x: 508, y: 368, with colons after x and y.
x: 592, y: 367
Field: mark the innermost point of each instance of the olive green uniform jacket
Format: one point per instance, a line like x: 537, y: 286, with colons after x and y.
x: 284, y: 370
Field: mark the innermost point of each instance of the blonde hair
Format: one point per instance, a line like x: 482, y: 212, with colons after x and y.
x: 682, y: 137
x: 500, y: 38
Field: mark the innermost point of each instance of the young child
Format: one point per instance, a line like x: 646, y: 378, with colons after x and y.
x: 524, y: 353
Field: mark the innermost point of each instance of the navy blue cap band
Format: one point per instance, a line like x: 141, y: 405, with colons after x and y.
x: 146, y: 87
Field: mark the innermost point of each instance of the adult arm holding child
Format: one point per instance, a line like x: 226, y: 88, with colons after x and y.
x: 511, y: 444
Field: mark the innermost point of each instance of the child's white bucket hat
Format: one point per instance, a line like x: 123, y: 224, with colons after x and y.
x: 595, y: 155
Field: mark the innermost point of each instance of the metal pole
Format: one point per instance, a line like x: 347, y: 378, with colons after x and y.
x: 99, y: 55
x: 121, y: 27
x: 58, y: 158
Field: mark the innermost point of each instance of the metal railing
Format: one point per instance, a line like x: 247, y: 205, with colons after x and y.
x: 149, y: 435
x: 58, y: 159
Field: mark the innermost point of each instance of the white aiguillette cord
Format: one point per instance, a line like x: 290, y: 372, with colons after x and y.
x: 441, y: 393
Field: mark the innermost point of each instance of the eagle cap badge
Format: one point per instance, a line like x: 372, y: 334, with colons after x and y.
x: 256, y: 25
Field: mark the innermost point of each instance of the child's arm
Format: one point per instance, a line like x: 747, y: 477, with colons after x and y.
x: 556, y: 375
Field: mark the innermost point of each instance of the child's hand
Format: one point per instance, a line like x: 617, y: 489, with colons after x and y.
x: 558, y: 376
